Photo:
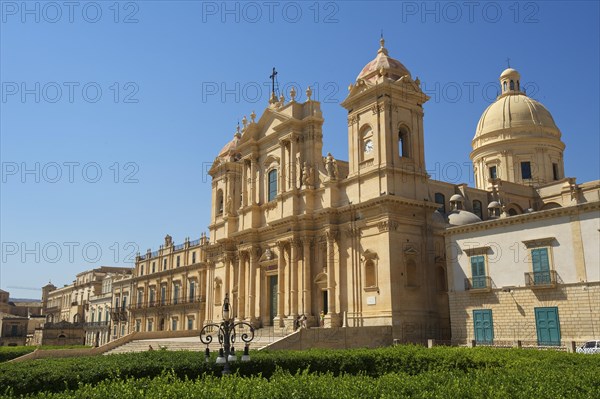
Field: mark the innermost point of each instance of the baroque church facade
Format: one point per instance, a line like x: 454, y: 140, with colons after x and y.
x: 362, y: 242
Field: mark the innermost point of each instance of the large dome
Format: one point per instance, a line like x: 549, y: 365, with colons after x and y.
x: 394, y: 68
x: 514, y: 110
x: 516, y: 139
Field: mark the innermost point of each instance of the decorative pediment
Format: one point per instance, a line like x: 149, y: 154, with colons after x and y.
x: 369, y: 255
x: 477, y: 251
x: 539, y: 242
x: 321, y: 278
x: 410, y: 251
x: 268, y: 258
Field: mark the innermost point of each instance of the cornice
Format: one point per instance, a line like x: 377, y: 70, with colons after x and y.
x: 524, y: 218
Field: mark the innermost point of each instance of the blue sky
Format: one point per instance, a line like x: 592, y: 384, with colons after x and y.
x: 111, y: 112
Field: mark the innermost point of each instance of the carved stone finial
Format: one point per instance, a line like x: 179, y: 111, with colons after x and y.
x: 281, y: 99
x: 244, y: 121
x: 382, y: 48
x: 293, y: 94
x: 252, y: 116
x: 308, y: 93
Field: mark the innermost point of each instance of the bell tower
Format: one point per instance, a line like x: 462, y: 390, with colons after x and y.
x: 385, y: 126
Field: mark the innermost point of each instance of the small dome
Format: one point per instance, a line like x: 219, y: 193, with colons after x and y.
x: 394, y: 68
x: 457, y: 198
x: 461, y: 217
x: 509, y: 72
x: 494, y: 204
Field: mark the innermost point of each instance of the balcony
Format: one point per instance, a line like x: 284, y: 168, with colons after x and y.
x: 478, y: 284
x: 118, y: 314
x: 546, y: 279
x: 161, y: 303
x: 96, y: 325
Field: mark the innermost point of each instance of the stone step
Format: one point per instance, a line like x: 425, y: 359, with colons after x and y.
x: 262, y: 338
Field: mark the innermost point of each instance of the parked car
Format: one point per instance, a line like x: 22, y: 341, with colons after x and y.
x: 589, y: 347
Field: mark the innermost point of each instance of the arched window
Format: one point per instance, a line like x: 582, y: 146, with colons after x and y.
x: 504, y: 86
x: 272, y: 185
x: 477, y: 209
x: 142, y: 270
x: 366, y: 143
x: 411, y: 273
x: 370, y: 280
x: 219, y: 202
x: 441, y: 199
x: 512, y: 212
x: 512, y: 84
x: 403, y: 143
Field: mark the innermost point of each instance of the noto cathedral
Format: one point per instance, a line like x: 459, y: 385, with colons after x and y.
x: 373, y: 240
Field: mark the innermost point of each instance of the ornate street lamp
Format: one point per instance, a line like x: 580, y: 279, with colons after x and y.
x: 227, y: 331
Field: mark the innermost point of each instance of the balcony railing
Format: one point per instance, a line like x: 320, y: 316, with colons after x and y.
x: 194, y: 243
x: 119, y: 313
x: 482, y: 283
x: 545, y: 279
x: 167, y: 302
x: 93, y: 324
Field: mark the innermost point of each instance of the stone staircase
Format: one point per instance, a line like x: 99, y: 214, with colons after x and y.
x: 262, y: 337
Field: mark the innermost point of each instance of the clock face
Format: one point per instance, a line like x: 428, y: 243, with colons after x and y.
x: 368, y: 146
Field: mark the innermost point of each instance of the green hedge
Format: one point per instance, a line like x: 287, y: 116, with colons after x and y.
x: 56, y: 375
x: 481, y: 383
x: 10, y: 352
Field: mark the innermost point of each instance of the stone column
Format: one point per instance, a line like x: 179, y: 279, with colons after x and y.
x: 252, y: 286
x: 292, y: 162
x: 244, y: 185
x: 294, y: 277
x: 282, y: 178
x: 241, y: 312
x: 307, y: 297
x: 227, y: 284
x: 331, y: 283
x: 280, y: 281
x: 253, y: 181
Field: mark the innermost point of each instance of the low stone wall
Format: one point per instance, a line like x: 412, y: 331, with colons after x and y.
x: 60, y: 353
x: 335, y: 338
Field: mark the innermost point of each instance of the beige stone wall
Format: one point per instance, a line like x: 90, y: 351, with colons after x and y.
x: 513, y: 312
x: 336, y: 338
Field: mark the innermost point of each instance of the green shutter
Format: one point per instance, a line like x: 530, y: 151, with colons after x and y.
x: 483, y: 326
x: 547, y: 326
x: 478, y: 271
x: 540, y: 265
